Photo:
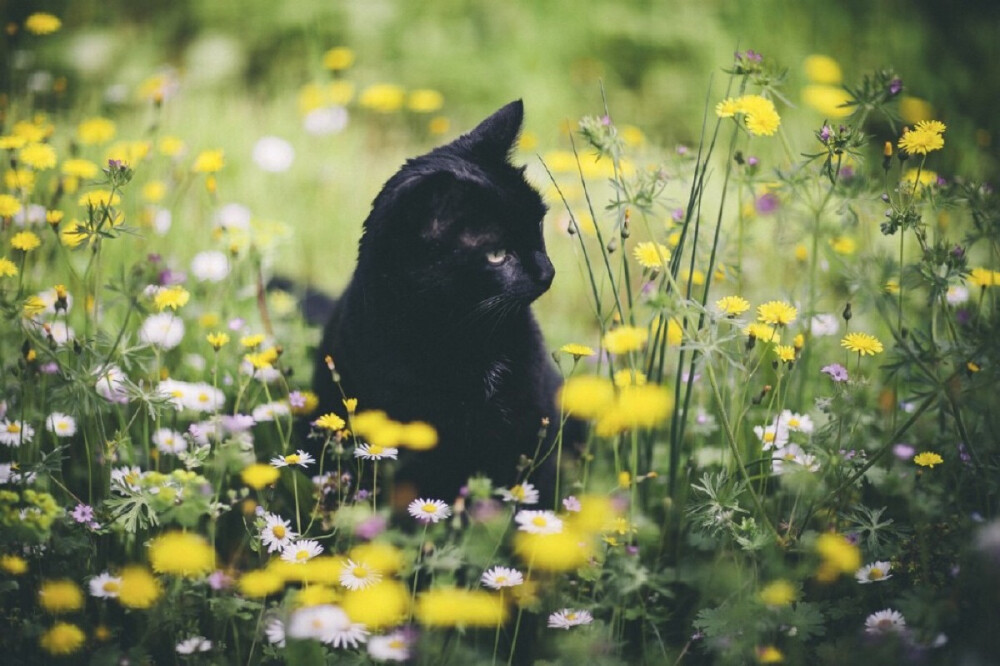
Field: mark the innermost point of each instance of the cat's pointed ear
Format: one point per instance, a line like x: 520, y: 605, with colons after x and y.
x: 495, y: 136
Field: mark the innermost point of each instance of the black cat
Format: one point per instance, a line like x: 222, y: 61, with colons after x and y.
x: 435, y: 324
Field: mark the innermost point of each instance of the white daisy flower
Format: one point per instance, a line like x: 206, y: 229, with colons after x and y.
x: 956, y: 295
x: 105, y: 586
x: 126, y: 479
x: 210, y: 266
x: 392, y: 647
x: 110, y: 383
x: 50, y: 297
x: 375, y: 452
x: 885, y: 622
x: 234, y: 216
x: 61, y: 332
x: 275, y: 632
x: 270, y: 411
x: 273, y: 154
x: 7, y: 474
x: 13, y: 433
x: 169, y: 441
x: 358, y: 575
x: 194, y: 644
x: 267, y: 375
x: 174, y: 392
x: 300, y: 458
x: 428, y: 510
x: 277, y: 533
x: 163, y: 329
x: 349, y: 638
x: 567, y: 617
x: 161, y: 219
x: 523, y: 493
x: 824, y: 324
x: 325, y: 120
x: 792, y: 458
x: 796, y: 422
x: 772, y: 436
x: 203, y: 397
x: 320, y: 623
x: 301, y: 551
x: 874, y: 572
x: 538, y: 522
x: 60, y: 424
x: 499, y: 577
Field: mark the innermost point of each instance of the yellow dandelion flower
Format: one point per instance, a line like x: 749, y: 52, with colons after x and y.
x: 382, y: 97
x: 171, y: 146
x: 921, y: 141
x: 651, y: 255
x: 13, y: 564
x: 839, y: 556
x: 727, y: 108
x: 171, y: 297
x: 181, y: 553
x: 928, y: 459
x: 95, y: 131
x: 252, y: 341
x: 763, y: 123
x: 785, y: 353
x: 7, y: 268
x: 154, y: 191
x: 843, y: 245
x: 378, y: 606
x: 378, y: 555
x: 42, y: 23
x: 567, y: 550
x: 315, y: 595
x: 330, y: 422
x: 769, y: 654
x: 636, y: 407
x: 139, y: 588
x: 340, y: 93
x: 586, y: 396
x: 259, y: 584
x: 9, y: 205
x: 625, y: 339
x: 822, y: 69
x: 263, y: 359
x: 72, y: 234
x: 831, y: 101
x: 259, y: 475
x: 935, y: 126
x: 26, y: 241
x: 32, y: 131
x: 576, y: 350
x: 862, y: 343
x: 798, y: 342
x: 761, y: 332
x: 732, y: 306
x: 338, y: 58
x: 424, y: 100
x: 417, y: 436
x: 628, y: 377
x: 984, y: 277
x: 218, y: 340
x: 11, y: 142
x: 19, y: 179
x: 99, y: 199
x: 38, y: 156
x: 778, y: 593
x: 80, y: 168
x: 209, y: 161
x: 129, y: 152
x: 62, y: 638
x: 456, y: 607
x: 60, y: 596
x: 776, y: 313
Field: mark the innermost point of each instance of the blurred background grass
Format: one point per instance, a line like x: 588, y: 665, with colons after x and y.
x: 240, y: 68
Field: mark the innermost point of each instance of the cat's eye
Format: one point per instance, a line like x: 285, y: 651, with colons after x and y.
x: 496, y: 256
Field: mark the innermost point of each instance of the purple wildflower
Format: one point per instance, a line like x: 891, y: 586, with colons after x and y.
x: 83, y: 513
x: 895, y: 86
x: 767, y: 203
x: 296, y: 400
x: 837, y: 372
x: 677, y: 215
x: 825, y: 133
x: 903, y: 451
x: 571, y: 503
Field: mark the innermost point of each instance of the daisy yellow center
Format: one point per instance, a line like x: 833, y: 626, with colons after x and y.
x: 571, y: 616
x: 429, y: 508
x: 501, y: 579
x: 875, y: 573
x: 302, y: 555
x: 359, y: 572
x: 278, y: 531
x: 539, y: 521
x: 768, y: 436
x: 794, y: 423
x: 14, y: 428
x: 110, y: 586
x: 517, y: 492
x: 293, y: 458
x: 202, y: 397
x: 397, y: 644
x: 789, y: 456
x: 376, y: 450
x: 131, y: 477
x: 317, y: 624
x: 175, y: 393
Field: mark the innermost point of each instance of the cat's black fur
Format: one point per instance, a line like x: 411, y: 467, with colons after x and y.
x: 430, y: 329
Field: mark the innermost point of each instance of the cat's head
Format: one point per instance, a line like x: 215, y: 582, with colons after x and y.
x: 460, y: 226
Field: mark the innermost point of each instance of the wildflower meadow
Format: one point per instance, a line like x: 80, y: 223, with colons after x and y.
x: 782, y: 336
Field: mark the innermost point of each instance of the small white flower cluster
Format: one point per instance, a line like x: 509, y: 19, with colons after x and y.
x: 330, y: 624
x: 787, y: 456
x: 195, y: 396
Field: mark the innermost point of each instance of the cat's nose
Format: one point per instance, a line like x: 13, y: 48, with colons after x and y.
x: 544, y: 271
